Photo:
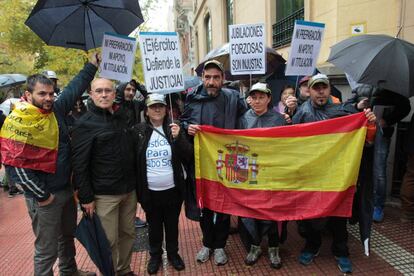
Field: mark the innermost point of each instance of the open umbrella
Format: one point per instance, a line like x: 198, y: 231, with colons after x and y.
x: 92, y: 236
x: 384, y: 61
x: 81, y: 24
x: 222, y: 54
x: 11, y: 79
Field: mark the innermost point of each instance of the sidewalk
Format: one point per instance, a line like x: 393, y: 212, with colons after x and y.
x: 392, y: 249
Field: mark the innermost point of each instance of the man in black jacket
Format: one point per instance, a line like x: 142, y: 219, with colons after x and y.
x: 319, y: 108
x: 210, y: 104
x: 125, y: 96
x: 390, y: 108
x: 49, y: 196
x: 104, y: 168
x: 407, y: 187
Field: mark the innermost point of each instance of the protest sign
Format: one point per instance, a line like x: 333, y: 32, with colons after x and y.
x: 305, y: 46
x: 247, y: 49
x: 161, y: 58
x: 118, y: 55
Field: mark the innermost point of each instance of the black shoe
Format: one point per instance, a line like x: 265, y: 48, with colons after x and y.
x: 153, y: 265
x: 176, y: 262
x: 139, y: 223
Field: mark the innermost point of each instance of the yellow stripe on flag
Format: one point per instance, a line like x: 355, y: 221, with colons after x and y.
x: 328, y: 162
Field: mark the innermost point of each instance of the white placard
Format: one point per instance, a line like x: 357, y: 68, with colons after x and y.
x: 247, y: 49
x: 118, y: 56
x: 304, y: 51
x: 161, y: 59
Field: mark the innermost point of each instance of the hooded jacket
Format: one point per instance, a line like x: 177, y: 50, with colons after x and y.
x: 222, y: 111
x: 132, y: 108
x: 269, y: 119
x: 103, y: 154
x: 308, y: 113
x: 40, y: 185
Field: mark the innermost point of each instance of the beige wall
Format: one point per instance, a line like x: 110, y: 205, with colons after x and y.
x: 263, y: 11
x: 379, y: 17
x: 218, y: 24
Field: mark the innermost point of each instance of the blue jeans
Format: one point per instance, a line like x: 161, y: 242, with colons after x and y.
x: 381, y: 150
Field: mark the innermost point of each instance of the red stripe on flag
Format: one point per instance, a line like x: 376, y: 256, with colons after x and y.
x: 274, y: 205
x: 337, y: 125
x: 27, y: 156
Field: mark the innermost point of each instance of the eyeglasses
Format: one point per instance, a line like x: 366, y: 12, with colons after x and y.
x: 102, y: 90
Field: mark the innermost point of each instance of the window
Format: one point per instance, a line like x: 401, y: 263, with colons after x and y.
x: 207, y: 22
x: 287, y: 11
x: 229, y: 13
x: 284, y: 8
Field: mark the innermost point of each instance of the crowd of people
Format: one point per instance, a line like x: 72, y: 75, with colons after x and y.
x: 116, y: 151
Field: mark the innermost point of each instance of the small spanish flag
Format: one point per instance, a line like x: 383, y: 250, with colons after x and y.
x: 29, y: 138
x: 282, y: 173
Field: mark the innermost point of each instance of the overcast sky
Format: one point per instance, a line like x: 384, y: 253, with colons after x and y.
x: 158, y: 17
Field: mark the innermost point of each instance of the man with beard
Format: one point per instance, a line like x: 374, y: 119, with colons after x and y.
x: 125, y: 96
x: 211, y: 104
x: 318, y: 108
x: 44, y: 172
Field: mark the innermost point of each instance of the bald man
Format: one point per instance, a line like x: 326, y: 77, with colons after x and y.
x: 104, y: 169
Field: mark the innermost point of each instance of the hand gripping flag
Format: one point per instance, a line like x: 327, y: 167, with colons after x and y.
x: 282, y: 173
x: 29, y: 138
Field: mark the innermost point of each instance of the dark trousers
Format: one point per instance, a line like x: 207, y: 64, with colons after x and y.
x: 407, y: 189
x: 215, y: 228
x: 311, y: 231
x: 163, y: 215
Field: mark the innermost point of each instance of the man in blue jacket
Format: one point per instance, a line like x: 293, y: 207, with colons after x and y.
x: 49, y: 196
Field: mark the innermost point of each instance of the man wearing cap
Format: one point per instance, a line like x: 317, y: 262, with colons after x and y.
x: 211, y: 104
x: 52, y: 75
x: 318, y: 108
x: 104, y: 169
x: 304, y: 92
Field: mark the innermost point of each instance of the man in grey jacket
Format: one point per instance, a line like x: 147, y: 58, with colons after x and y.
x: 211, y: 104
x: 49, y: 196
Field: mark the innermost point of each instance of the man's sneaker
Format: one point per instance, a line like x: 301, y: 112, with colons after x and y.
x: 344, y: 264
x: 220, y: 257
x: 275, y: 261
x: 253, y: 256
x: 306, y: 258
x: 203, y: 255
x: 378, y: 215
x: 139, y: 223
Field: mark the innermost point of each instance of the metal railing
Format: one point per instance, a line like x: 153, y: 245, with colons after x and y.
x: 283, y: 29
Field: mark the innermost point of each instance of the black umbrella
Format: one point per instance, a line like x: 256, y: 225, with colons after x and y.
x: 92, y: 236
x: 363, y: 206
x: 81, y: 24
x: 384, y: 61
x: 222, y: 54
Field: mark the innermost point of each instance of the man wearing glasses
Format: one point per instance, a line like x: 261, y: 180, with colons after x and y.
x: 104, y: 168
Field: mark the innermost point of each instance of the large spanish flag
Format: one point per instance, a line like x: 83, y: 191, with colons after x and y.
x: 29, y: 138
x: 282, y: 173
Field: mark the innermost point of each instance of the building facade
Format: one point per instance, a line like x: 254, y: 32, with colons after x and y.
x: 209, y: 22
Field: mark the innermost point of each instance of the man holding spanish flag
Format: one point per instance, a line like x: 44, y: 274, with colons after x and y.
x: 211, y: 104
x: 317, y: 108
x: 35, y: 147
